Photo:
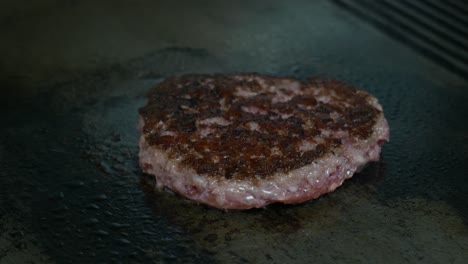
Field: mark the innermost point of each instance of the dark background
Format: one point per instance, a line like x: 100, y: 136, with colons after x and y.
x: 73, y: 74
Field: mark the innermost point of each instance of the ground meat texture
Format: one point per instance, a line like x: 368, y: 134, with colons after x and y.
x: 247, y: 140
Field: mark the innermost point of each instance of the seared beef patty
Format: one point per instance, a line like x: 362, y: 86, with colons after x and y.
x: 244, y: 141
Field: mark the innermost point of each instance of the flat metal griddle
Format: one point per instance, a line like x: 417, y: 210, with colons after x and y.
x: 72, y: 191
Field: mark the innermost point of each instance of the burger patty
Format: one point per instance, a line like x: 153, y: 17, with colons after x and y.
x: 248, y: 140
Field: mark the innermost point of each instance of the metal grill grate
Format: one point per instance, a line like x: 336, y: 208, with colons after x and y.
x: 438, y: 29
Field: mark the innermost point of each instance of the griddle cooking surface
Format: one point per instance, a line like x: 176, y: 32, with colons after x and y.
x: 72, y: 190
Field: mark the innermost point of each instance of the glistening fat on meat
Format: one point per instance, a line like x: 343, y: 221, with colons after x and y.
x: 248, y: 140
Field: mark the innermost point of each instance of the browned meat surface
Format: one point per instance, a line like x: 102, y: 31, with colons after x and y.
x: 243, y: 141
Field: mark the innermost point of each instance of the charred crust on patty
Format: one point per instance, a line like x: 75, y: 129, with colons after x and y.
x: 251, y: 126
